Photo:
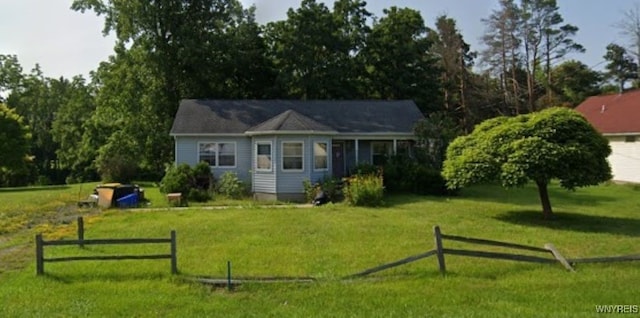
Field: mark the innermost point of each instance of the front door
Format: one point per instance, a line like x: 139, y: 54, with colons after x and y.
x: 337, y: 159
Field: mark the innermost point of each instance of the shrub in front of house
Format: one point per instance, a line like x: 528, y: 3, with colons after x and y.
x: 202, y: 190
x: 310, y: 190
x: 203, y: 176
x: 331, y: 186
x: 194, y: 184
x: 403, y: 174
x: 364, y: 168
x: 177, y: 179
x: 199, y: 195
x: 364, y: 190
x: 230, y: 185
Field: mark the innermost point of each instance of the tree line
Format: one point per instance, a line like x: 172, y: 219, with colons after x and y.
x: 115, y: 124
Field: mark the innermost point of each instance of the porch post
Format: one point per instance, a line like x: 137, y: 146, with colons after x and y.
x: 395, y: 146
x: 357, y: 160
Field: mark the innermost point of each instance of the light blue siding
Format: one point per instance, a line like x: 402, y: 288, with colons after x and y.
x: 187, y: 152
x: 291, y: 181
x: 264, y: 181
x: 277, y: 180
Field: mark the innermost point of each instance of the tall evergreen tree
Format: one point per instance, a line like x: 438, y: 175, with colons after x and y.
x: 503, y: 52
x: 546, y: 40
x: 455, y: 60
x: 620, y: 67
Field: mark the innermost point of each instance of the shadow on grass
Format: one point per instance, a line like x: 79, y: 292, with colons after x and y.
x: 570, y: 221
x: 395, y: 199
x: 529, y: 195
x: 32, y: 189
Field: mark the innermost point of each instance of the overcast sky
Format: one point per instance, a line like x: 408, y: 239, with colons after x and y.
x: 67, y: 43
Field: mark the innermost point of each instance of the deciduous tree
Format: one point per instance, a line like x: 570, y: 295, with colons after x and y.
x: 400, y: 62
x: 14, y: 143
x: 573, y: 82
x: 556, y: 143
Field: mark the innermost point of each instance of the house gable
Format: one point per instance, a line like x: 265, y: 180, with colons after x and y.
x: 290, y: 121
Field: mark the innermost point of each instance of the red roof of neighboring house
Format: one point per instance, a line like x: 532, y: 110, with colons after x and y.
x: 613, y: 114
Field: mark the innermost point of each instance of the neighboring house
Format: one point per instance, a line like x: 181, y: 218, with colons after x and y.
x: 617, y: 117
x: 277, y: 144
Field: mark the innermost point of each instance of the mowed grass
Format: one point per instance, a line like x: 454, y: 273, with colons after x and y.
x: 334, y: 241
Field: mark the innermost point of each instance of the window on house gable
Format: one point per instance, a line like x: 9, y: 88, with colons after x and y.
x: 263, y: 156
x: 630, y: 139
x: 218, y: 154
x: 292, y: 156
x: 320, y: 156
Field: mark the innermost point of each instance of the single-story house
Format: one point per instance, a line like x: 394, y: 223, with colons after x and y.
x: 617, y: 117
x: 277, y: 144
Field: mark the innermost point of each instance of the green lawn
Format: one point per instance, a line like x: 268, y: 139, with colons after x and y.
x: 333, y: 241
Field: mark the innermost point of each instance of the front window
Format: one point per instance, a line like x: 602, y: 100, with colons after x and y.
x: 292, y: 156
x: 380, y: 151
x: 226, y: 155
x: 218, y: 154
x: 320, y: 156
x: 263, y: 156
x: 208, y: 153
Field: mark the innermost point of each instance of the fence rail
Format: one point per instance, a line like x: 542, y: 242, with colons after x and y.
x: 549, y: 254
x: 81, y: 242
x: 608, y: 259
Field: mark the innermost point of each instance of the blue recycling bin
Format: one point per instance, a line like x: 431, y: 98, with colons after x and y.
x: 128, y: 201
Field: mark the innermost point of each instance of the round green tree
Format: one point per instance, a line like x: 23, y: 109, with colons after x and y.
x: 556, y: 143
x: 14, y: 140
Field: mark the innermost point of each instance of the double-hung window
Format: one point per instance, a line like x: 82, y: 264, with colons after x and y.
x: 218, y: 154
x: 292, y: 156
x: 320, y: 156
x: 263, y: 156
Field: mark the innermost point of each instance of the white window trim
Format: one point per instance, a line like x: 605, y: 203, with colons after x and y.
x: 217, y: 165
x: 265, y: 142
x: 326, y: 155
x: 389, y: 153
x: 282, y: 155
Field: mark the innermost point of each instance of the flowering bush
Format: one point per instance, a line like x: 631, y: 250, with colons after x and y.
x: 364, y: 190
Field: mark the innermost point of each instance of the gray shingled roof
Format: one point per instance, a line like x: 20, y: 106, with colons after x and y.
x: 240, y: 116
x: 290, y: 120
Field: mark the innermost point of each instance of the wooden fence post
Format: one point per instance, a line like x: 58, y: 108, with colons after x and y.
x: 229, y: 276
x: 559, y: 256
x: 81, y: 232
x: 39, y: 255
x: 174, y: 258
x: 440, y: 253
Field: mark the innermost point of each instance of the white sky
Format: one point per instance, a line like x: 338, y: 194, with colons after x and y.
x: 67, y: 43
